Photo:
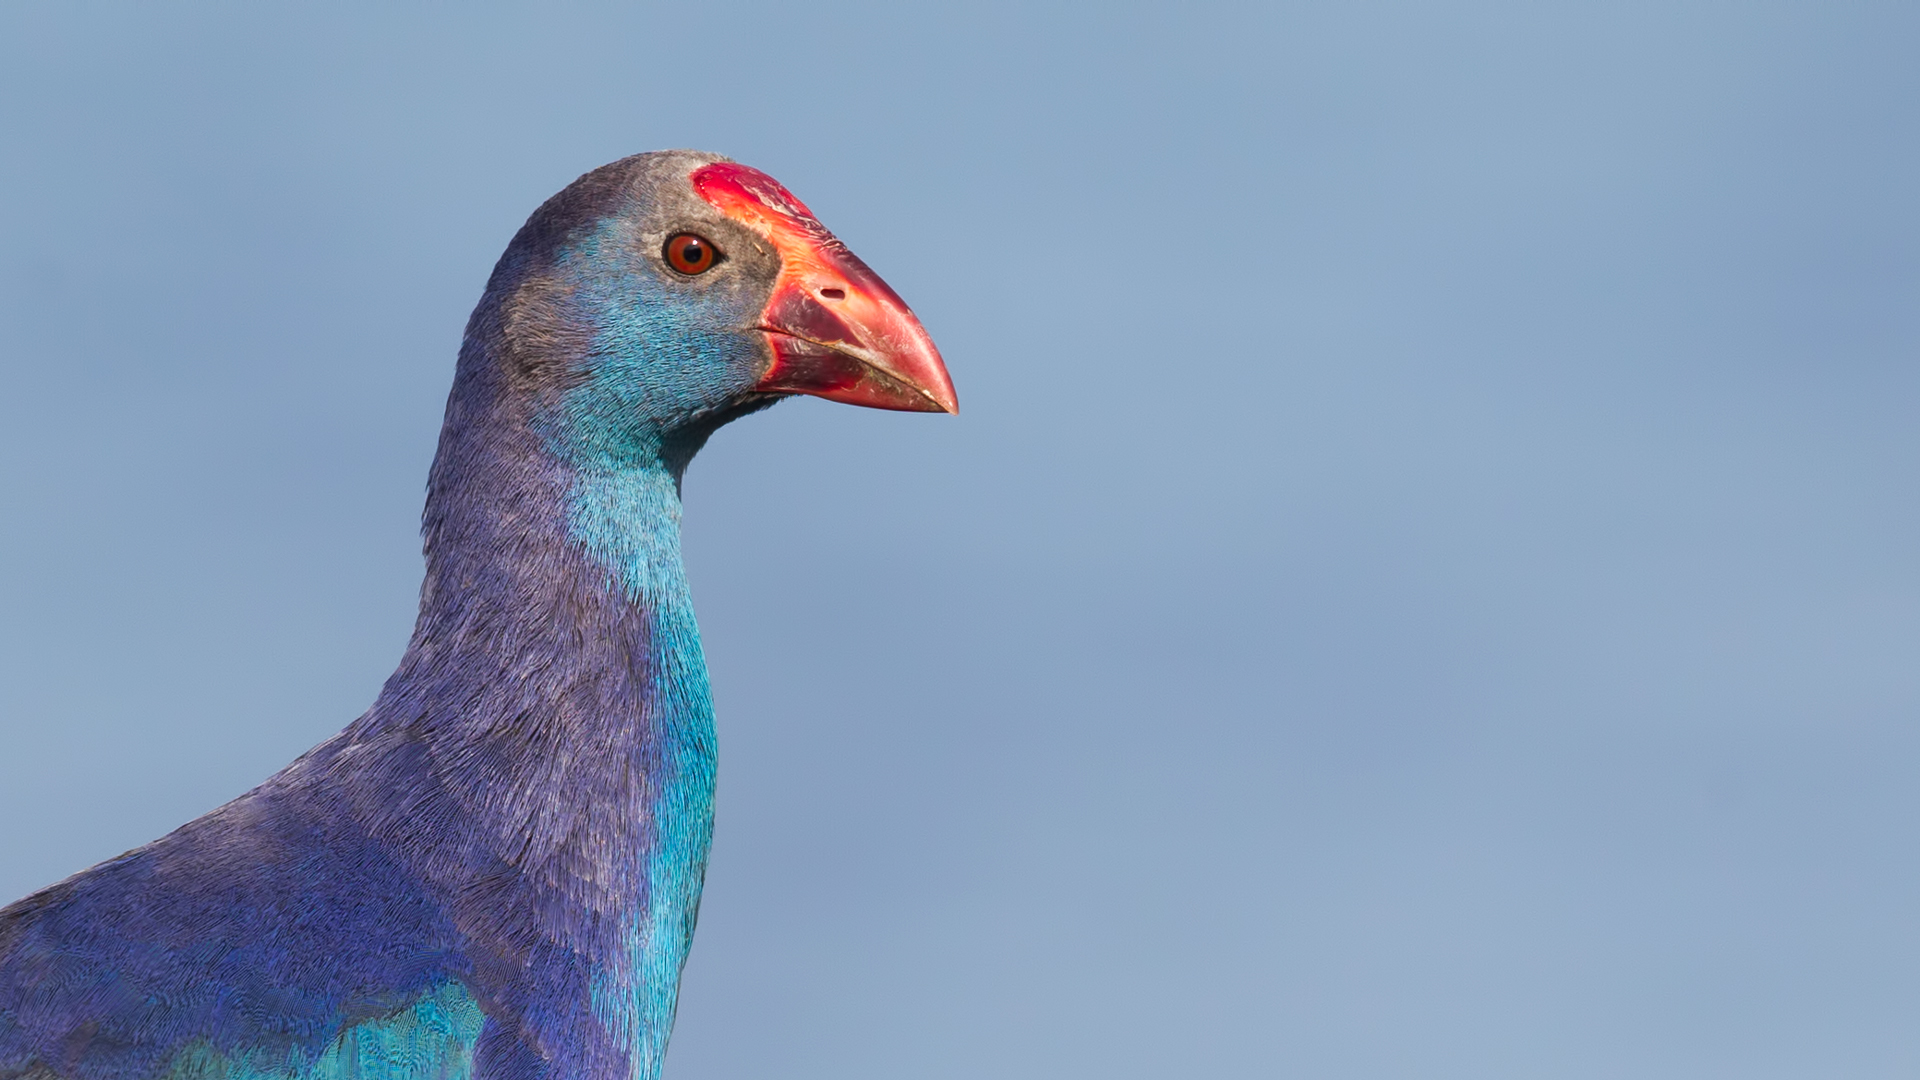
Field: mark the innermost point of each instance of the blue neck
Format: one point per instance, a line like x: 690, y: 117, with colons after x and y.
x: 556, y: 695
x: 628, y: 521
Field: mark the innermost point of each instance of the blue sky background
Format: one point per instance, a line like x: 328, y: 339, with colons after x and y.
x: 1426, y: 581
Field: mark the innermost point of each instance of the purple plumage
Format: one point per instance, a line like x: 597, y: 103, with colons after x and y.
x: 495, y: 871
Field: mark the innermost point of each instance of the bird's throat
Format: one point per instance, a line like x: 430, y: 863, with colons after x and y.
x: 558, y: 609
x: 628, y: 521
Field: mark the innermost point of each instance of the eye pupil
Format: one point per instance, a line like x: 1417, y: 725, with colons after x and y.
x: 691, y: 254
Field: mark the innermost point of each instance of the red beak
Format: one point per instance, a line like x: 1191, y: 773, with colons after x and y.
x: 836, y: 329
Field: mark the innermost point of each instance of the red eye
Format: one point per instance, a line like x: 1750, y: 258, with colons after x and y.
x: 691, y: 254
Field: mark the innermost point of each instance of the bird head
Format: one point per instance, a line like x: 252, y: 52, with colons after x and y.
x: 669, y: 292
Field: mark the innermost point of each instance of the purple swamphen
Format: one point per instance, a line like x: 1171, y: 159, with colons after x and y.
x: 494, y: 872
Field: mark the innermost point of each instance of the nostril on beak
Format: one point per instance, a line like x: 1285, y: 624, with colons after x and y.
x: 833, y: 294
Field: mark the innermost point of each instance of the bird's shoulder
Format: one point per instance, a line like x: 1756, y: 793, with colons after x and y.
x: 262, y: 932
